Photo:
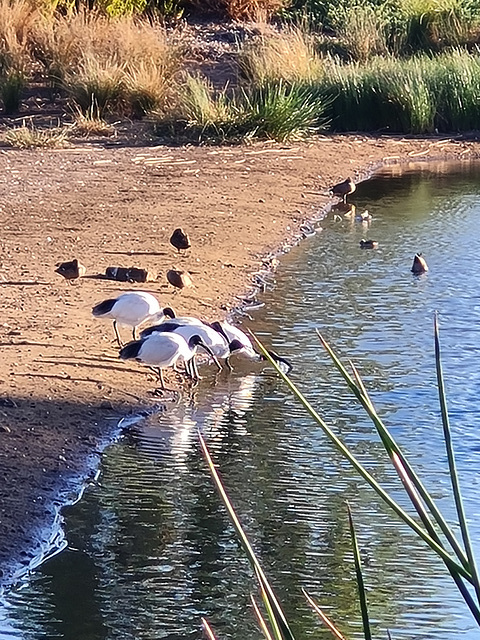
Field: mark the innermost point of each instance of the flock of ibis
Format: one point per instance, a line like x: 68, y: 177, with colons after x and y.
x: 161, y: 339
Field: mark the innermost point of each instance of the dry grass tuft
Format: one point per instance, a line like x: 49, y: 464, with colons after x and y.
x: 121, y: 65
x: 29, y: 137
x: 91, y: 124
x: 288, y: 55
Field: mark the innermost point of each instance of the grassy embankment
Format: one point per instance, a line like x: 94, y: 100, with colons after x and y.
x: 407, y: 67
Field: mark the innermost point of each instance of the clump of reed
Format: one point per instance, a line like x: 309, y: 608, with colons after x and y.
x: 417, y: 95
x: 453, y: 546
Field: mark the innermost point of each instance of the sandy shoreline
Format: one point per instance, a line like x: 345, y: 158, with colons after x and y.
x: 62, y: 387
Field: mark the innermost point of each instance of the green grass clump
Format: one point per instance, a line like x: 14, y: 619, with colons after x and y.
x: 11, y: 88
x: 280, y: 111
x: 276, y: 111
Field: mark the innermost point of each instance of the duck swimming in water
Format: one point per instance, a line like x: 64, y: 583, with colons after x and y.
x: 368, y: 244
x: 419, y: 264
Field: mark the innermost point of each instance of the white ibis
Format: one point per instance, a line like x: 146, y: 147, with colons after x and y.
x: 130, y: 309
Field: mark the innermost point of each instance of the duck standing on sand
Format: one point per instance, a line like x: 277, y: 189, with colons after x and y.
x: 180, y: 240
x: 419, y: 264
x: 343, y: 189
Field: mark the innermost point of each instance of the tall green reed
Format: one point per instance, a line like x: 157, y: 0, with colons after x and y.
x: 429, y: 524
x: 423, y: 94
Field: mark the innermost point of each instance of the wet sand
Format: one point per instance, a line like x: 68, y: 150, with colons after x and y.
x: 62, y: 386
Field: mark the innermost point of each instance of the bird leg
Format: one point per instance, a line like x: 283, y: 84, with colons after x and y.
x: 134, y: 333
x: 196, y: 375
x: 160, y: 375
x: 227, y: 362
x: 120, y: 343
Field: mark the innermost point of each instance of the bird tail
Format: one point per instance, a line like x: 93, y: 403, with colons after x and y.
x: 131, y: 350
x: 103, y: 307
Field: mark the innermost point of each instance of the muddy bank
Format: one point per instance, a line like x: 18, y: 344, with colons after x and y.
x: 62, y: 387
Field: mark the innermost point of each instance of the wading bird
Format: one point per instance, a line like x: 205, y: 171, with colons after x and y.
x: 130, y: 309
x: 170, y: 316
x: 180, y: 240
x: 235, y: 335
x: 71, y: 270
x: 419, y: 264
x: 217, y: 344
x: 343, y: 189
x: 159, y: 350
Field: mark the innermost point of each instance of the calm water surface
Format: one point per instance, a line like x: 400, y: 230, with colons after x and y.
x: 150, y: 548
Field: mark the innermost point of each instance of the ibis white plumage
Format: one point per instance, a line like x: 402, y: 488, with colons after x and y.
x: 211, y: 338
x: 164, y: 349
x: 130, y: 309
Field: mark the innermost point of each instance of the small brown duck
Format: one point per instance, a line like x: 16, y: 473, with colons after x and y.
x: 71, y: 270
x: 343, y: 189
x: 180, y: 240
x: 419, y: 264
x: 368, y: 244
x: 179, y: 279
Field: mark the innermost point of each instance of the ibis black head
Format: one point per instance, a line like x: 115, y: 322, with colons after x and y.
x: 287, y: 365
x: 235, y: 345
x: 168, y: 312
x: 131, y: 350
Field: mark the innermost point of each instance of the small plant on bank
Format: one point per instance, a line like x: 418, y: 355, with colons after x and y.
x: 11, y: 88
x: 30, y: 137
x: 91, y: 124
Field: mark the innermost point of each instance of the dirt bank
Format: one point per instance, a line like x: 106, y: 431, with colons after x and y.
x: 62, y: 387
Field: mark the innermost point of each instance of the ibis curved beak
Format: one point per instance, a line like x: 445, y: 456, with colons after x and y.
x: 210, y: 352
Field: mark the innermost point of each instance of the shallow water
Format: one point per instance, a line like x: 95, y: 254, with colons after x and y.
x: 150, y: 548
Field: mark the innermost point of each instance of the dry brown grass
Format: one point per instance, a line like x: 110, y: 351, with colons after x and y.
x: 29, y: 137
x: 117, y: 64
x: 17, y: 19
x: 361, y: 31
x: 287, y: 55
x: 91, y: 124
x: 241, y: 9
